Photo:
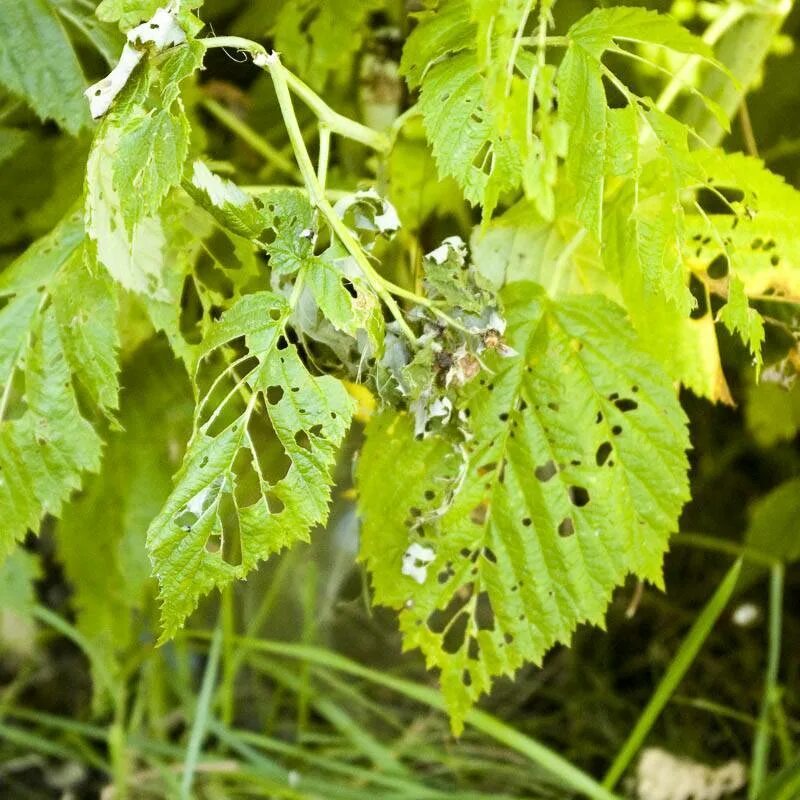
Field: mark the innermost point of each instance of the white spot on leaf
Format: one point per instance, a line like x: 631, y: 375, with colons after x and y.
x: 416, y: 560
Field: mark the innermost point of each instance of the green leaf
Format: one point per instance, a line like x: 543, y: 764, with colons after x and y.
x: 37, y: 63
x: 44, y: 452
x: 259, y: 467
x: 118, y: 505
x: 17, y: 575
x: 441, y: 32
x: 602, y: 140
x: 583, y: 108
x: 773, y: 523
x: 571, y: 475
x: 758, y: 235
x: 129, y: 13
x: 134, y: 260
x: 349, y: 305
x: 225, y: 201
x: 11, y: 139
x: 59, y: 323
x: 318, y: 37
x: 772, y: 412
x: 597, y: 31
x: 288, y: 216
x: 460, y: 129
x: 738, y: 317
x: 469, y: 120
x: 85, y: 307
x: 152, y: 149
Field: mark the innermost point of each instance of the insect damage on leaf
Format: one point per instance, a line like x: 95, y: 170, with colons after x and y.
x: 564, y: 469
x: 257, y: 472
x: 525, y: 449
x: 160, y: 32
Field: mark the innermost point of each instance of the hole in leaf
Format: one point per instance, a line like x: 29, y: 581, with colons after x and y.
x: 274, y: 503
x: 578, y: 496
x: 484, y: 615
x: 478, y: 514
x: 625, y: 404
x: 718, y: 268
x: 456, y: 633
x: 301, y: 440
x: 274, y: 394
x: 273, y: 461
x: 698, y: 291
x: 566, y: 527
x: 616, y: 430
x: 602, y: 454
x: 546, y: 471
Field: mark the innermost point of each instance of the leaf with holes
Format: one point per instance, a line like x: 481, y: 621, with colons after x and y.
x: 570, y: 475
x: 257, y: 473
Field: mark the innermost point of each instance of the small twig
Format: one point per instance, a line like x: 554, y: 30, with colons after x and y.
x: 633, y: 606
x: 250, y: 137
x: 747, y: 129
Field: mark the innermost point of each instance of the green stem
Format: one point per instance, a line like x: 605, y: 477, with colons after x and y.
x: 338, y: 123
x: 250, y: 137
x: 324, y: 154
x: 717, y: 545
x: 713, y: 33
x: 683, y: 659
x: 316, y: 192
x: 549, y: 41
x: 761, y: 745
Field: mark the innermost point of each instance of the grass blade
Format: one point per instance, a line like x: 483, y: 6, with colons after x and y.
x: 556, y: 765
x: 201, y: 715
x: 759, y: 764
x: 677, y: 669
